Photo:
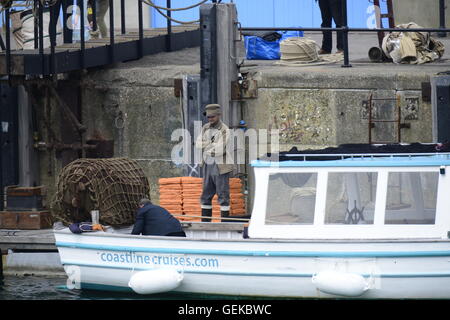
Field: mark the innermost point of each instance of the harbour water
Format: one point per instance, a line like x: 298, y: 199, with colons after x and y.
x: 54, y: 288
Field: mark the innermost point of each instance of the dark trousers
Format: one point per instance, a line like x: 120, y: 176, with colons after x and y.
x: 331, y: 10
x: 215, y: 183
x: 55, y: 10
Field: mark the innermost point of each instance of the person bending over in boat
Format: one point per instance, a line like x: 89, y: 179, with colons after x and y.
x: 153, y: 220
x: 214, y: 142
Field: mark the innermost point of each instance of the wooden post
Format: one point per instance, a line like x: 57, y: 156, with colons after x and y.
x: 227, y: 70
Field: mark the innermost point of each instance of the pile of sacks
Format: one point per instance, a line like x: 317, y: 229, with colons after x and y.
x: 181, y: 196
x: 170, y: 195
x: 412, y: 47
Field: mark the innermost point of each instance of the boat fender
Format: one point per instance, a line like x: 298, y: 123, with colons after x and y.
x: 155, y: 281
x: 340, y: 283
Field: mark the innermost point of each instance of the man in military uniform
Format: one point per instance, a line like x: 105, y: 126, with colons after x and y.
x: 216, y: 172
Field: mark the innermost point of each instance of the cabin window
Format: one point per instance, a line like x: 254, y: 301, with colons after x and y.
x: 411, y: 197
x: 351, y: 197
x: 291, y: 198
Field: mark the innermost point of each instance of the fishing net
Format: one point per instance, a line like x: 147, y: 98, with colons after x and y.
x: 113, y: 186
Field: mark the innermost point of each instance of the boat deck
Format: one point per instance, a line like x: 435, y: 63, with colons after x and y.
x: 44, y: 240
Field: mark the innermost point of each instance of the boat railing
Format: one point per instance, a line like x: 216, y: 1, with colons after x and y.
x: 363, y: 156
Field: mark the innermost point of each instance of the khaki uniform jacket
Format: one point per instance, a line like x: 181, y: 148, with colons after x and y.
x: 412, y: 47
x: 213, y: 142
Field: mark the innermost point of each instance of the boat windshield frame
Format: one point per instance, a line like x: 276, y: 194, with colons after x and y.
x: 382, y: 165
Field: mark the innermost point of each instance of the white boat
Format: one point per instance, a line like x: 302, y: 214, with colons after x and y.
x: 361, y: 226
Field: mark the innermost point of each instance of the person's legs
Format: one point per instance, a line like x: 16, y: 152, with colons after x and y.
x: 223, y: 193
x: 327, y: 41
x: 55, y: 12
x: 336, y: 11
x: 102, y: 8
x: 208, y: 192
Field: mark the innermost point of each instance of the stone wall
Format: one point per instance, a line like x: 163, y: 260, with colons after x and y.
x: 424, y: 13
x: 313, y: 107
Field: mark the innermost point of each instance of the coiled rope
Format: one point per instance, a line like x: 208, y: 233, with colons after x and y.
x: 158, y: 8
x: 299, y: 50
x: 304, y: 51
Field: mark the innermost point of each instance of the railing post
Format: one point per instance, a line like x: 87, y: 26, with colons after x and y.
x: 442, y: 18
x: 345, y: 35
x: 169, y: 28
x: 8, y: 42
x: 111, y: 31
x: 141, y: 29
x: 94, y: 15
x: 41, y: 35
x: 36, y: 26
x: 82, y: 45
x: 122, y: 16
x: 52, y: 30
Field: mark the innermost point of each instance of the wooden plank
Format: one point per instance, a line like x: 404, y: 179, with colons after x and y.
x: 38, y: 240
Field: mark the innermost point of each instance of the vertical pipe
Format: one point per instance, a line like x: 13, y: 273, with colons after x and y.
x: 1, y: 265
x: 442, y: 18
x: 370, y: 118
x: 169, y: 28
x: 41, y: 36
x: 345, y: 35
x: 82, y: 45
x: 122, y: 16
x: 111, y: 30
x: 8, y: 42
x: 399, y: 118
x: 141, y: 29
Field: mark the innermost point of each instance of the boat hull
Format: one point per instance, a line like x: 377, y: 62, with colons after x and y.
x: 248, y: 267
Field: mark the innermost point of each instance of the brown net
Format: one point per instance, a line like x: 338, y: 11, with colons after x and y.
x: 113, y: 186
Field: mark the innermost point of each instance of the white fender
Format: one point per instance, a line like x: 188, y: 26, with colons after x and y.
x: 340, y: 283
x: 155, y: 281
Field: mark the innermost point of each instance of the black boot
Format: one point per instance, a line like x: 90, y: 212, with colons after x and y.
x: 206, y: 213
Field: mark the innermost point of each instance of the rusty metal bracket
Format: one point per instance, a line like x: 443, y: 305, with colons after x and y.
x: 80, y: 127
x: 178, y: 87
x: 426, y: 91
x: 244, y: 89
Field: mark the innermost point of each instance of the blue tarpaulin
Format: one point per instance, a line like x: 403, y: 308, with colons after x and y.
x: 259, y: 49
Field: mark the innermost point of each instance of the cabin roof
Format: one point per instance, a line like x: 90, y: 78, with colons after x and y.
x: 367, y: 160
x: 361, y: 155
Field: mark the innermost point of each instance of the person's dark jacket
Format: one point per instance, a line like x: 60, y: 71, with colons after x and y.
x: 156, y: 221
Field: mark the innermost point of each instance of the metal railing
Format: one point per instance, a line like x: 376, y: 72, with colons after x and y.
x: 38, y: 11
x: 346, y: 30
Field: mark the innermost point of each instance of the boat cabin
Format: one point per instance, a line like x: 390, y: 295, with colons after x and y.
x: 353, y: 196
